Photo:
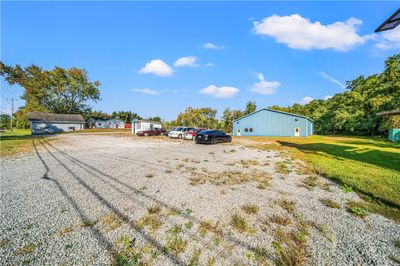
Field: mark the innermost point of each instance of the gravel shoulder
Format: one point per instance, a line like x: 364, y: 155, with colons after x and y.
x: 94, y: 199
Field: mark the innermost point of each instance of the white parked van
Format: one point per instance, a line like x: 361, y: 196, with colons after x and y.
x: 179, y: 132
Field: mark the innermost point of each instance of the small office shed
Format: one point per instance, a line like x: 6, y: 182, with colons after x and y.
x: 44, y: 123
x: 143, y: 124
x: 268, y: 122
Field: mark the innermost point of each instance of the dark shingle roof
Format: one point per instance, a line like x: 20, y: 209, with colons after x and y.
x: 50, y: 117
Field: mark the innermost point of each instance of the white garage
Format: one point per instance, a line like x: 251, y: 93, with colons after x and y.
x: 47, y: 123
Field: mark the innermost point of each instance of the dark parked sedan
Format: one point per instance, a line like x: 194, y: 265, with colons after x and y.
x: 212, y: 137
x: 151, y: 132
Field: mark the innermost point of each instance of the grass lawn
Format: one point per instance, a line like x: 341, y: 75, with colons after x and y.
x: 18, y: 141
x: 368, y: 165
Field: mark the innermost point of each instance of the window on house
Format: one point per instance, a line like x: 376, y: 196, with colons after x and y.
x: 246, y: 130
x: 251, y: 129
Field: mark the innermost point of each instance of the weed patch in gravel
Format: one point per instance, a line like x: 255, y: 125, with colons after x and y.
x: 330, y: 203
x: 250, y: 208
x: 127, y: 253
x: 282, y: 168
x: 281, y: 220
x: 27, y: 249
x: 288, y: 205
x: 227, y: 177
x: 175, y: 243
x: 111, y: 221
x: 154, y: 209
x: 241, y: 224
x: 65, y: 231
x: 150, y: 221
x: 88, y: 223
x: 149, y: 175
x: 291, y: 247
x: 357, y: 209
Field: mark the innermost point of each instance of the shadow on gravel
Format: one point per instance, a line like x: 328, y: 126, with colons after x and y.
x: 115, y: 210
x: 101, y: 175
x: 103, y: 242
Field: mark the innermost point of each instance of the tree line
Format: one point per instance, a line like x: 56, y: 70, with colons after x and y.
x: 353, y: 111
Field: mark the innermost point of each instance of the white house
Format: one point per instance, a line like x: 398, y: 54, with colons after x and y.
x: 109, y: 123
x: 45, y: 123
x: 141, y: 125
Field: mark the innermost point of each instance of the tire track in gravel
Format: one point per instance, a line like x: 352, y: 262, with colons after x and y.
x: 229, y: 238
x: 101, y: 239
x: 115, y: 210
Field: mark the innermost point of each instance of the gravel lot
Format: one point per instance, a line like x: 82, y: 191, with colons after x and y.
x: 97, y: 198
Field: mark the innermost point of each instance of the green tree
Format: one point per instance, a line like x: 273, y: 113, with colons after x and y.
x: 355, y: 110
x: 198, y: 117
x: 126, y: 116
x: 227, y: 118
x: 5, y: 121
x: 58, y: 90
x: 155, y: 118
x: 250, y: 107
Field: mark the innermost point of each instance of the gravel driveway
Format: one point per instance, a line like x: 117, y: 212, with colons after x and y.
x: 99, y: 199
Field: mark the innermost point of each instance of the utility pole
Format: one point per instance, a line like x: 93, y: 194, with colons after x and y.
x: 12, y: 112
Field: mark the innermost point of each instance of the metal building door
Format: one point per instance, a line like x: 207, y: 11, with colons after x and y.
x: 297, y: 132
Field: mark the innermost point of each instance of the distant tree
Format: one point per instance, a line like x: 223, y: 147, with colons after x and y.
x: 126, y: 116
x: 227, y: 118
x: 169, y: 124
x: 354, y: 111
x: 5, y: 121
x: 250, y: 107
x: 198, y: 117
x: 155, y: 118
x: 58, y: 90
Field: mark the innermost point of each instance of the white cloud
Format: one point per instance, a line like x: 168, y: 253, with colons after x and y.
x: 190, y: 61
x: 327, y: 97
x: 264, y: 86
x: 220, y: 92
x: 388, y: 40
x: 300, y: 33
x: 210, y: 64
x: 157, y: 67
x: 306, y: 99
x: 333, y: 80
x: 210, y: 45
x: 146, y: 91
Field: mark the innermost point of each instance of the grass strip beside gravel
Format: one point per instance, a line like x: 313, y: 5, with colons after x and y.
x: 16, y: 142
x: 369, y: 165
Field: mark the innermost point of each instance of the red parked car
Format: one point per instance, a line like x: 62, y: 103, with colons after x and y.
x: 151, y: 132
x: 192, y: 133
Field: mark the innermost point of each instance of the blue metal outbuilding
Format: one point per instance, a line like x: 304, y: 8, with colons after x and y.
x: 268, y: 122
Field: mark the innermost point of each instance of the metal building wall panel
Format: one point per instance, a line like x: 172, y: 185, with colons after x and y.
x: 269, y: 123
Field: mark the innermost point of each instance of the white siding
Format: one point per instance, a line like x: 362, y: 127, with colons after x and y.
x: 53, y: 127
x: 142, y: 125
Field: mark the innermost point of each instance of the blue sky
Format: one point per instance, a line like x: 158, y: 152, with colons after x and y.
x: 230, y: 53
